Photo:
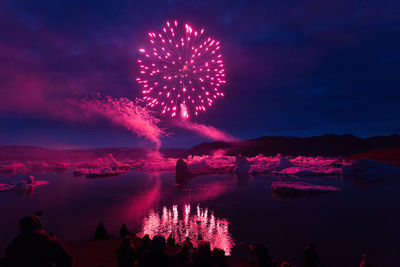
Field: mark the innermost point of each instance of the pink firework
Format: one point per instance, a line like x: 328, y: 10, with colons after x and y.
x: 182, y: 70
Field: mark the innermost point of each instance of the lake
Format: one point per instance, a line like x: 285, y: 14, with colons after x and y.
x: 224, y: 209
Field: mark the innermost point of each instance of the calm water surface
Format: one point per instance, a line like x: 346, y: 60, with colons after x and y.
x: 224, y: 209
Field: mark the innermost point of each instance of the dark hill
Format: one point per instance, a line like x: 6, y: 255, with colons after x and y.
x: 325, y: 145
x: 388, y: 155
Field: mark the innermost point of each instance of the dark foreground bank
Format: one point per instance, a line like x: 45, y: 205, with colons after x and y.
x: 35, y: 247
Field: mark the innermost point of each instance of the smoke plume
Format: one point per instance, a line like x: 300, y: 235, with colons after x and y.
x: 125, y: 113
x: 206, y: 131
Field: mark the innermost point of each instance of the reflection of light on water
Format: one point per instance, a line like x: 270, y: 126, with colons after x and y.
x: 199, y: 225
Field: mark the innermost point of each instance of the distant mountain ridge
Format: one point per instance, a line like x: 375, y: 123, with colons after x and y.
x: 325, y: 145
x: 387, y: 154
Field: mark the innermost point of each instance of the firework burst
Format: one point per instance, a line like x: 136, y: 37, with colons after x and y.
x: 181, y: 70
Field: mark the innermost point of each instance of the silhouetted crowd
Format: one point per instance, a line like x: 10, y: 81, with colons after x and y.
x: 33, y: 247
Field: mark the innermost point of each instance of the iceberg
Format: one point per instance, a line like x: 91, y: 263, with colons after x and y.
x: 101, y: 172
x: 242, y: 165
x: 368, y: 169
x: 25, y: 185
x: 300, y: 188
x: 13, y: 168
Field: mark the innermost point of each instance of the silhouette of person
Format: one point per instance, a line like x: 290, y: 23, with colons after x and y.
x: 144, y: 246
x: 170, y: 240
x: 34, y: 247
x: 126, y: 253
x: 262, y: 255
x: 182, y: 254
x: 365, y: 261
x: 286, y: 264
x: 146, y: 242
x: 101, y: 232
x: 188, y: 243
x: 38, y: 213
x: 310, y: 256
x: 155, y: 256
x: 219, y: 257
x: 124, y: 231
x: 202, y: 255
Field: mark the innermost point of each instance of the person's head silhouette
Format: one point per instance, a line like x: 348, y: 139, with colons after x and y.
x: 30, y: 223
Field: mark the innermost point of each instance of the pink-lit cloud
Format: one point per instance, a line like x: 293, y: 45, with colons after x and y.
x: 205, y: 130
x: 122, y: 112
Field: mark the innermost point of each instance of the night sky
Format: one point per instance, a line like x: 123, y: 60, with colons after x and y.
x: 294, y: 68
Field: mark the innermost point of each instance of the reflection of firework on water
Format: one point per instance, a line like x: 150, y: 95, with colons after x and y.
x: 181, y: 68
x: 201, y: 225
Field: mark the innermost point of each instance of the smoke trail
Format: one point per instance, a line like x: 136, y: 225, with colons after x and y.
x: 206, y: 131
x: 123, y: 112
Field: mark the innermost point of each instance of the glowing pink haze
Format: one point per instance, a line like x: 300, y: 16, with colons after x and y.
x: 138, y: 119
x: 126, y: 113
x: 182, y: 68
x: 206, y: 131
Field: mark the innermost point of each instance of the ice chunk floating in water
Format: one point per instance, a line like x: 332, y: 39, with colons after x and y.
x: 25, y: 185
x: 300, y: 188
x: 369, y: 169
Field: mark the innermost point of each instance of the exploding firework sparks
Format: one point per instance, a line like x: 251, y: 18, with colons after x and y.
x: 181, y: 70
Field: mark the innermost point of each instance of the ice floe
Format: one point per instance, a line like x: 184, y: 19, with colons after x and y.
x: 302, y: 171
x: 102, y: 167
x: 300, y: 188
x: 12, y: 168
x: 369, y: 169
x: 25, y: 185
x: 217, y: 163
